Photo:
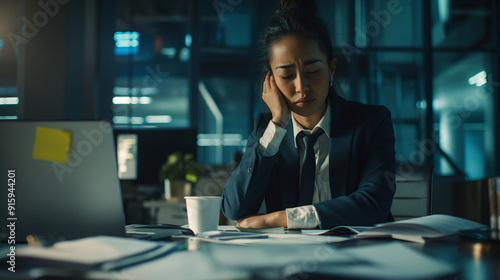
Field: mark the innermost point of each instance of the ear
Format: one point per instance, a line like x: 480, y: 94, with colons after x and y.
x: 333, y: 66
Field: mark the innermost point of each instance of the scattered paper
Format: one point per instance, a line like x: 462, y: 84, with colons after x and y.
x: 89, y: 251
x: 290, y: 239
x: 276, y: 230
x: 227, y: 228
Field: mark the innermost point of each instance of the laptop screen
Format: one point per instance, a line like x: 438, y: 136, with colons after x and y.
x: 60, y: 179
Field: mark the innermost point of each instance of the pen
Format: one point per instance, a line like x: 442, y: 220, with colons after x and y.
x: 241, y: 237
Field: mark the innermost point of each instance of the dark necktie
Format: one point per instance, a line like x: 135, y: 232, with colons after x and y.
x: 308, y: 168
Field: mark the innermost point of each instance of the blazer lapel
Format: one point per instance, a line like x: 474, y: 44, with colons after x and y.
x: 289, y: 169
x: 340, y: 146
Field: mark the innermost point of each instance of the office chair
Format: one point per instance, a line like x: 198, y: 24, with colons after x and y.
x: 413, y: 197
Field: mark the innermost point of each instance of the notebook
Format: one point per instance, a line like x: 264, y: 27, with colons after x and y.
x: 59, y: 179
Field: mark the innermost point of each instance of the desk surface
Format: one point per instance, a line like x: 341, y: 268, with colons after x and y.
x: 472, y: 260
x: 193, y: 261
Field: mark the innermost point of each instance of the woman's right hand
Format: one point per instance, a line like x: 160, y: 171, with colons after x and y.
x: 275, y: 100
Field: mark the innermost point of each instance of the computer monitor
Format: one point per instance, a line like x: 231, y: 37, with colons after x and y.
x: 141, y: 152
x: 126, y: 150
x: 60, y: 178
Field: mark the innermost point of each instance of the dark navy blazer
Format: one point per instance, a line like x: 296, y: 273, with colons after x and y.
x: 362, y: 166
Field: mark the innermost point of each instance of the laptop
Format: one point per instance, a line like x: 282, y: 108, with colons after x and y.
x: 59, y: 179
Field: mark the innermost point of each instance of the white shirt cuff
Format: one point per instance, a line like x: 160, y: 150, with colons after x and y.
x: 302, y: 217
x: 271, y: 139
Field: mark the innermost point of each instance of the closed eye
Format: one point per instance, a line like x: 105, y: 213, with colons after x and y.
x: 313, y: 72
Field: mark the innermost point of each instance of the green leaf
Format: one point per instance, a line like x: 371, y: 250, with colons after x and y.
x: 191, y: 177
x: 180, y: 166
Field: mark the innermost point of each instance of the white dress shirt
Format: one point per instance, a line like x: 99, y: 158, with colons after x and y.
x: 304, y: 216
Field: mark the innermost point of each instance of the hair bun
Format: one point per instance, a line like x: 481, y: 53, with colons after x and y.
x: 307, y: 7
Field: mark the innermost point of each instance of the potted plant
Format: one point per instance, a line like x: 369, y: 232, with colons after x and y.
x: 178, y: 173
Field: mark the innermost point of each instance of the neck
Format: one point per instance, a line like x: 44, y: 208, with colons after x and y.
x: 309, y: 122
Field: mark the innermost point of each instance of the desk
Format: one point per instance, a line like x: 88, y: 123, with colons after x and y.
x: 472, y: 261
x: 470, y: 264
x: 193, y: 260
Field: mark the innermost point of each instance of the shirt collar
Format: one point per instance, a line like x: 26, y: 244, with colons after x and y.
x: 324, y: 124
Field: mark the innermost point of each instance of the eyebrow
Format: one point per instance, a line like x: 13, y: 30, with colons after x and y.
x: 286, y: 66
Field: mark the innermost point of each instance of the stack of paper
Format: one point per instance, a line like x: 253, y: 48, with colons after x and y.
x: 419, y: 230
x: 101, y: 252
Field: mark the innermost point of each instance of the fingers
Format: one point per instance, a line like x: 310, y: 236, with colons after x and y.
x: 243, y: 223
x: 275, y: 100
x: 267, y: 83
x: 272, y: 83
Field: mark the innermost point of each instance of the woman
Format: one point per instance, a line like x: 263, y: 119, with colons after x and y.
x: 344, y: 177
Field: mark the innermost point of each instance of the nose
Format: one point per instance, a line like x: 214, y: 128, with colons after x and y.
x: 301, y: 83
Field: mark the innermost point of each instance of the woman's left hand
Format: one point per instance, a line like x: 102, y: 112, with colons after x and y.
x: 275, y: 100
x: 275, y: 219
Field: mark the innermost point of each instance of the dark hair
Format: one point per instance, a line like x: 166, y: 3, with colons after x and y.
x: 295, y: 17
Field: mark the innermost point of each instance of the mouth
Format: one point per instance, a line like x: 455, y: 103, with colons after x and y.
x: 303, y: 102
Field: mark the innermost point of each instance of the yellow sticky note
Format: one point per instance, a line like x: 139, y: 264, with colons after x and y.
x: 52, y: 144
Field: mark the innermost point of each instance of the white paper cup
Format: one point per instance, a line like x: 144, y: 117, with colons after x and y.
x: 203, y: 212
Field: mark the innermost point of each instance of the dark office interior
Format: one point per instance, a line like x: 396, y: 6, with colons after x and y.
x: 167, y: 66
